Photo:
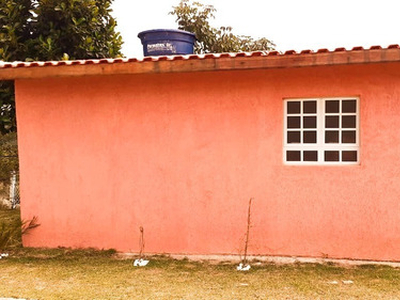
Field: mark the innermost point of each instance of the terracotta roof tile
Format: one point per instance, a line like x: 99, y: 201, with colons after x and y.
x: 193, y: 56
x: 258, y: 53
x: 178, y: 57
x: 208, y: 55
x: 163, y: 58
x: 240, y: 54
x: 224, y: 55
x: 273, y: 53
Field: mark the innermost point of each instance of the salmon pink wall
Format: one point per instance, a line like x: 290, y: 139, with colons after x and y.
x: 181, y: 154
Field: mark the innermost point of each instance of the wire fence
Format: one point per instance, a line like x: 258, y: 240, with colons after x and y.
x: 9, y: 181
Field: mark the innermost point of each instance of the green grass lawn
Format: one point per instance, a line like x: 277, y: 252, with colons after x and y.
x: 89, y: 274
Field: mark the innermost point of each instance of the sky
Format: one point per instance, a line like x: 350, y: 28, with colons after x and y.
x: 290, y: 24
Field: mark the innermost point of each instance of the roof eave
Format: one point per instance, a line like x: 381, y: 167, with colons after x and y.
x: 199, y: 63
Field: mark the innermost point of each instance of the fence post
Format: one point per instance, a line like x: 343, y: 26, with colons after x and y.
x: 13, y: 186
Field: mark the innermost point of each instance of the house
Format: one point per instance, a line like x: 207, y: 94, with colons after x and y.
x: 179, y: 144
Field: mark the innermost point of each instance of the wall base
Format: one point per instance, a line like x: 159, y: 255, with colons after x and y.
x: 267, y: 259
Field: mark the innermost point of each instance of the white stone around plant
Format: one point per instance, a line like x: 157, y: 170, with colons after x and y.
x: 140, y: 262
x: 243, y: 267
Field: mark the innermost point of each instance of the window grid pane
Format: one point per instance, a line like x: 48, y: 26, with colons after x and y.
x: 293, y: 137
x: 349, y: 106
x: 332, y: 156
x: 310, y: 122
x: 309, y: 137
x: 309, y: 107
x: 349, y: 155
x: 310, y: 155
x: 293, y: 107
x: 293, y: 155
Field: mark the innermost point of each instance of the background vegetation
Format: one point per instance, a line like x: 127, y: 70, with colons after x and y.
x: 195, y: 17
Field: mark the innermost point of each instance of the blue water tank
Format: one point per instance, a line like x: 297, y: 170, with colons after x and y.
x: 167, y: 42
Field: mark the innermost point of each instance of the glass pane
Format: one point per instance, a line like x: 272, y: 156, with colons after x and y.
x: 331, y: 155
x: 310, y: 107
x: 310, y: 156
x: 331, y: 137
x: 348, y: 137
x: 348, y: 121
x: 332, y: 106
x: 293, y: 137
x: 331, y: 121
x: 293, y: 107
x: 293, y: 122
x: 309, y: 122
x: 292, y: 155
x: 349, y: 106
x: 349, y: 155
x: 309, y: 137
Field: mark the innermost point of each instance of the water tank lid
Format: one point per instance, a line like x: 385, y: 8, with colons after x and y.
x: 141, y: 34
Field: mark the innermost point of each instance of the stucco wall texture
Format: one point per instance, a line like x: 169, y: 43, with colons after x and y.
x: 182, y: 154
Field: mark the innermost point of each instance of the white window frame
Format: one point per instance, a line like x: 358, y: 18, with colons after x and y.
x: 321, y: 146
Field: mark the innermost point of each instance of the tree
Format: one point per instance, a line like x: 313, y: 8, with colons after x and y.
x: 77, y: 29
x: 52, y: 30
x: 8, y: 156
x: 195, y: 18
x: 15, y: 33
x: 14, y: 29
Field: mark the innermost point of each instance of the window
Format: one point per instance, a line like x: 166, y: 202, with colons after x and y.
x: 321, y: 131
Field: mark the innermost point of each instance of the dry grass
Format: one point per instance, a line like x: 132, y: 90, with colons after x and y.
x: 79, y: 274
x: 9, y: 215
x: 10, y: 228
x: 89, y: 274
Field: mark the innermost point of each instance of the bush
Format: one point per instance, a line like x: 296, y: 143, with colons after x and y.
x: 12, y: 229
x: 8, y: 156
